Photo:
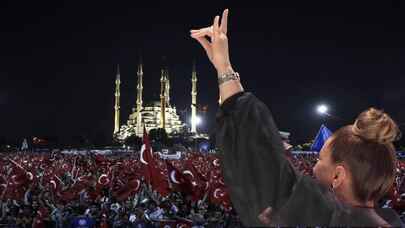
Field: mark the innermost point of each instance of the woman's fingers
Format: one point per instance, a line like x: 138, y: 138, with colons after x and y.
x: 213, y: 45
x: 224, y: 21
x: 265, y: 216
x: 268, y: 211
x: 195, y: 36
x: 196, y: 30
x: 202, y: 32
x: 206, y: 29
x: 216, y: 27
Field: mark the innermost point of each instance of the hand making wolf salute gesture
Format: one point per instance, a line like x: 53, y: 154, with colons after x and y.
x: 354, y: 170
x: 218, y: 53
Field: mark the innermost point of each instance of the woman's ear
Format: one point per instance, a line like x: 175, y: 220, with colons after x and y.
x: 340, y: 176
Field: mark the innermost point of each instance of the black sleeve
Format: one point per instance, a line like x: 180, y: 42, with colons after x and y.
x: 253, y: 160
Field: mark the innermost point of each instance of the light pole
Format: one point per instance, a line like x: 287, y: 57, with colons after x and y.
x: 197, y: 121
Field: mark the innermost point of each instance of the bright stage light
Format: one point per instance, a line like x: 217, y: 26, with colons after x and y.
x: 197, y: 120
x: 322, y: 109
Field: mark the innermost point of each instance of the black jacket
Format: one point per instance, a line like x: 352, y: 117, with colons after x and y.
x: 258, y: 174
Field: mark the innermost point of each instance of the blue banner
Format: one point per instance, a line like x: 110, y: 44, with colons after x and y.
x: 323, y: 134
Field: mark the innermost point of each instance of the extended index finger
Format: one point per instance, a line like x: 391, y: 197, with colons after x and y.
x: 215, y: 26
x: 224, y: 21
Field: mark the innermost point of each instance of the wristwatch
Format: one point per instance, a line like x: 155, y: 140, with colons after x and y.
x: 227, y: 76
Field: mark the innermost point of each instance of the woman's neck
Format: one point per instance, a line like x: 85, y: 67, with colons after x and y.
x: 353, y: 202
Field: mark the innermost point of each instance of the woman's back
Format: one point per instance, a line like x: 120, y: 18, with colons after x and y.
x: 259, y: 175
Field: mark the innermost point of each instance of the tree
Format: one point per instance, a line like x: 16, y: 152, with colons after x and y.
x: 159, y: 138
x: 133, y: 141
x: 158, y: 135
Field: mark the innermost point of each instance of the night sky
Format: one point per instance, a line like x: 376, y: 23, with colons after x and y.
x: 58, y: 61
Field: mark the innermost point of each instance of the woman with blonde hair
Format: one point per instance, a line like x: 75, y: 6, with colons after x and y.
x: 355, y: 168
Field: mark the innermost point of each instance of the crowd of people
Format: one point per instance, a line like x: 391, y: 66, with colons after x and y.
x: 58, y: 190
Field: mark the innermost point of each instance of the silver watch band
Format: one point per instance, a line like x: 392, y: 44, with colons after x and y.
x: 228, y: 76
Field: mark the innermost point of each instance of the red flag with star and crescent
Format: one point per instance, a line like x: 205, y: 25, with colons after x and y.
x: 153, y: 172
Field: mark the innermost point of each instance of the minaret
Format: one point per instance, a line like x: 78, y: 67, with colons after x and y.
x: 139, y: 101
x: 162, y: 99
x: 194, y: 100
x: 117, y: 102
x: 167, y: 88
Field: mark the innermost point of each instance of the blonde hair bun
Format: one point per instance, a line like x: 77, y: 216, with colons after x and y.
x: 377, y: 126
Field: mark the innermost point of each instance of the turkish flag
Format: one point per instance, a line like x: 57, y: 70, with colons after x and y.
x: 146, y: 158
x: 198, y: 182
x: 178, y: 179
x: 129, y: 189
x: 154, y: 173
x: 220, y: 196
